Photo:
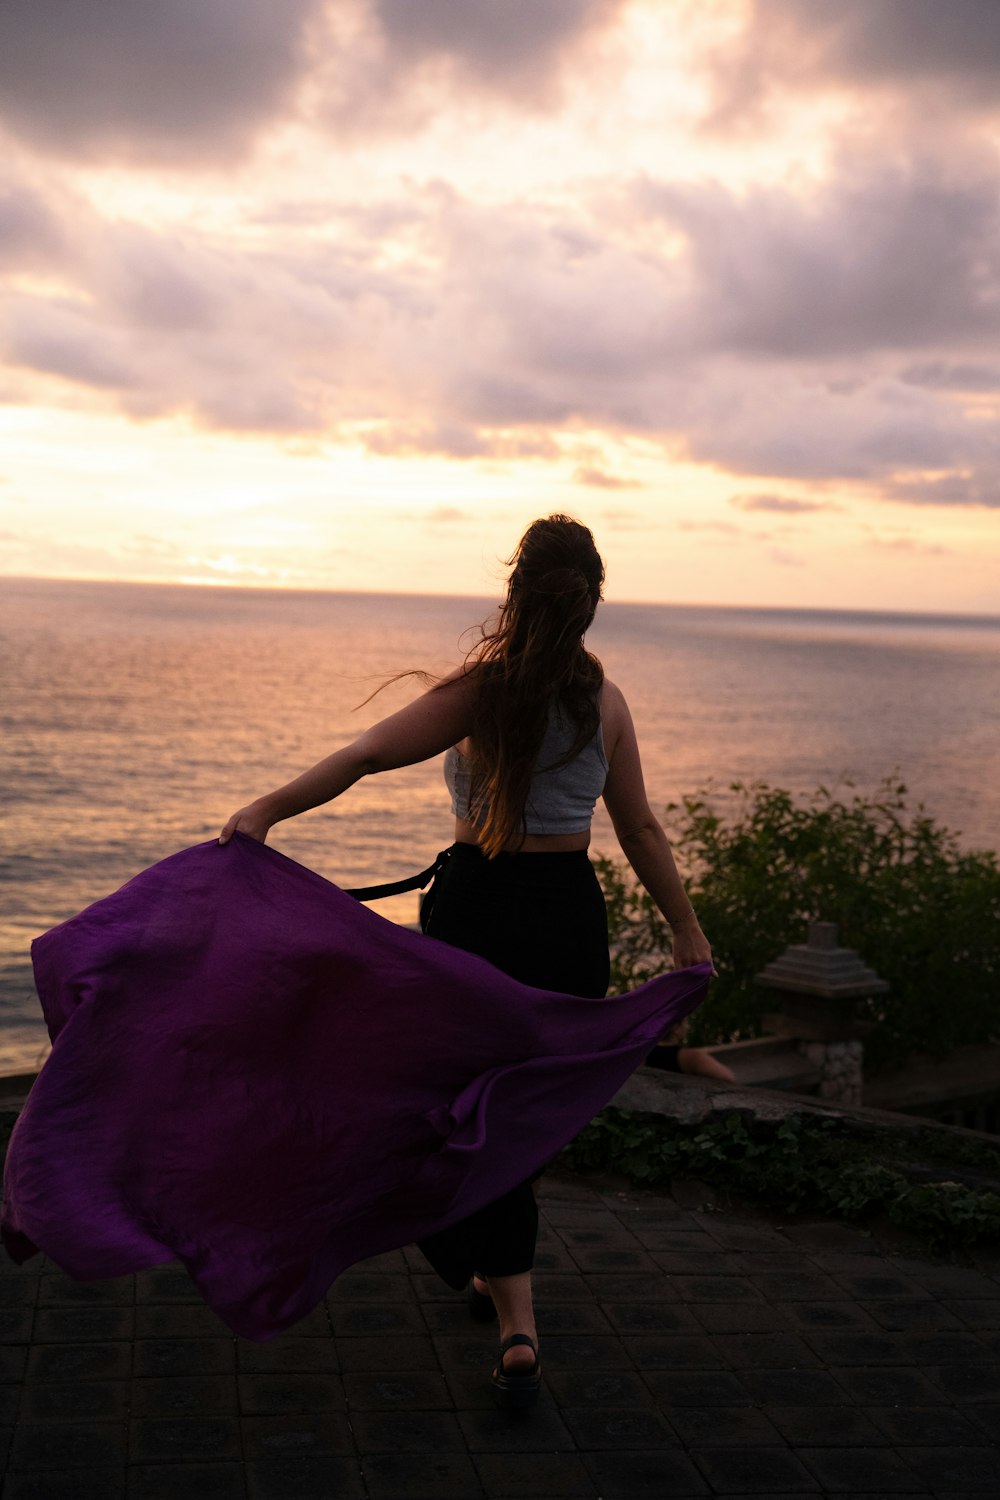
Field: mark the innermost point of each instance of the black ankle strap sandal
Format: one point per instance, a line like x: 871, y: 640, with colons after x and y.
x: 518, y: 1390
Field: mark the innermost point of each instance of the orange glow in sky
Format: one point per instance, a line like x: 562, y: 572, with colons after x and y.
x: 340, y: 294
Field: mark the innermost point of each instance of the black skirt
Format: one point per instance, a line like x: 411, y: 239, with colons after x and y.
x: 540, y: 918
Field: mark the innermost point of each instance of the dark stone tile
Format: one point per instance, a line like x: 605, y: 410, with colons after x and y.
x: 884, y: 1386
x: 620, y: 1286
x: 872, y: 1286
x: 556, y: 1260
x: 448, y: 1317
x: 378, y: 1354
x: 370, y: 1286
x: 740, y: 1317
x: 66, y: 1484
x: 184, y: 1396
x: 986, y: 1418
x: 178, y: 1320
x: 945, y: 1349
x: 76, y: 1325
x: 599, y: 1388
x: 437, y: 1476
x: 650, y: 1317
x: 65, y: 1445
x: 798, y: 1286
x: 826, y: 1236
x: 613, y: 1258
x: 836, y: 1316
x: 873, y: 1470
x: 956, y: 1282
x: 289, y: 1356
x: 595, y: 1230
x: 637, y: 1475
x: 747, y: 1237
x: 209, y: 1481
x: 392, y: 1318
x: 694, y: 1388
x: 465, y: 1353
x: 967, y: 1382
x: 315, y: 1325
x: 753, y: 1470
x: 183, y: 1438
x: 185, y: 1356
x: 860, y: 1348
x: 166, y: 1284
x: 21, y: 1291
x: 687, y: 1242
x: 767, y: 1351
x: 63, y: 1291
x: 923, y: 1425
x: 730, y: 1289
x: 76, y: 1401
x: 793, y: 1388
x: 574, y: 1317
x: 79, y: 1362
x: 902, y: 1314
x: 549, y: 1287
x: 280, y: 1394
x: 297, y: 1437
x: 15, y: 1324
x: 305, y: 1478
x: 491, y: 1431
x: 9, y: 1397
x: 535, y: 1476
x: 584, y: 1352
x: 630, y: 1428
x: 974, y: 1314
x: 406, y: 1432
x: 674, y: 1352
x: 417, y: 1390
x: 693, y: 1263
x: 825, y: 1426
x: 711, y: 1426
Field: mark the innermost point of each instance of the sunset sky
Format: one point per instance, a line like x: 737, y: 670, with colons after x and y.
x: 341, y: 293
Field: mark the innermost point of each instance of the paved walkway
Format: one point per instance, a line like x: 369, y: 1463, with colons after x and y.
x: 687, y: 1351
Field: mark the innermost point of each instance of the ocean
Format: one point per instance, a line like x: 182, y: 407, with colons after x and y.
x: 136, y: 717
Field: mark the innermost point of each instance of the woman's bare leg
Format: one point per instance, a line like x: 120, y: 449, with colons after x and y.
x: 512, y: 1295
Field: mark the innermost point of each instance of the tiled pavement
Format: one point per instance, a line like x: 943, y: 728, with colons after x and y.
x: 687, y: 1351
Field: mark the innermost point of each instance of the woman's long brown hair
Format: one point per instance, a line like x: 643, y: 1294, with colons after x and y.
x: 529, y: 657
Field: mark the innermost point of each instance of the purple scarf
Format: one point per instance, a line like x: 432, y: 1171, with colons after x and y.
x: 257, y: 1076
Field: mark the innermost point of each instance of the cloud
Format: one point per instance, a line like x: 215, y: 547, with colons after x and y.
x: 921, y: 50
x: 190, y: 80
x: 446, y: 515
x: 514, y: 49
x: 962, y: 488
x: 882, y: 255
x: 783, y: 504
x: 599, y: 479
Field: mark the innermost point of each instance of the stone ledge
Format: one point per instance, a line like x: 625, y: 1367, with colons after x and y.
x: 695, y: 1101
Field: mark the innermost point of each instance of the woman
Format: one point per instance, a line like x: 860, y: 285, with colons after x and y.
x: 534, y: 734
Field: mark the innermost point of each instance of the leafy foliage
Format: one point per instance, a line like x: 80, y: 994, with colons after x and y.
x: 921, y: 911
x: 797, y: 1164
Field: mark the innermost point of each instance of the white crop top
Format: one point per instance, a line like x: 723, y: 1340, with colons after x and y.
x: 560, y: 800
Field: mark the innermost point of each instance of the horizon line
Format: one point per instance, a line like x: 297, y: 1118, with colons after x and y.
x: 201, y: 585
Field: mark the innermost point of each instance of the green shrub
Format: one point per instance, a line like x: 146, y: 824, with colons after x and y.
x: 921, y: 911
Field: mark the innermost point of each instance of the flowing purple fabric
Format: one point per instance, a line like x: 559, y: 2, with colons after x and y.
x: 256, y: 1075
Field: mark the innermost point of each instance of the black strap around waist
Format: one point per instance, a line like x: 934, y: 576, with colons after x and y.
x: 400, y: 887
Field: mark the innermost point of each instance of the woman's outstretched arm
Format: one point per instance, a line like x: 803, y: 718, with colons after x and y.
x: 641, y: 835
x: 425, y: 727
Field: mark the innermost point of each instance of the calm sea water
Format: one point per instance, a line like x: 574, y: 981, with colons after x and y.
x: 136, y: 717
